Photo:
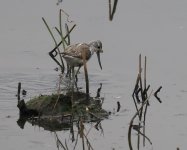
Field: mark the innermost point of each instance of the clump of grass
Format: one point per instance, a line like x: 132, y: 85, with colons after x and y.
x: 45, y: 104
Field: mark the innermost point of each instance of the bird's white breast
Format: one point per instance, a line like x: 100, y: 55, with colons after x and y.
x: 73, y: 61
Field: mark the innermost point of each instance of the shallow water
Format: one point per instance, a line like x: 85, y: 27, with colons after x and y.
x: 157, y: 29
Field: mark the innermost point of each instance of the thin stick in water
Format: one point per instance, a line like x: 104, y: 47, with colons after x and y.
x: 155, y: 94
x: 64, y: 38
x: 19, y: 90
x: 132, y: 120
x: 67, y: 31
x: 60, y: 25
x: 62, y: 63
x: 112, y: 10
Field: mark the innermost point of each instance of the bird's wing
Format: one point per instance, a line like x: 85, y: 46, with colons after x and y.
x: 77, y: 49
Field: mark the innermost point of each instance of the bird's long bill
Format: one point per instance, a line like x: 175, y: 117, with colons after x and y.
x: 99, y: 60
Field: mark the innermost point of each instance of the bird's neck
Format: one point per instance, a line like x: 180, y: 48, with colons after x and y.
x: 92, y: 50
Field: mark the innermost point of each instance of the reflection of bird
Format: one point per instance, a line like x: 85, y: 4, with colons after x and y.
x: 73, y: 54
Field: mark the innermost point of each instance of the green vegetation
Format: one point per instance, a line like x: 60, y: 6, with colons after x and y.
x: 55, y: 105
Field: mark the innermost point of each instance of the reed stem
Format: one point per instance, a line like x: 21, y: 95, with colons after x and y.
x: 62, y: 63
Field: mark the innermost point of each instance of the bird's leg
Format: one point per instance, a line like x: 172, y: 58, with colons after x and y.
x: 73, y: 76
x: 76, y: 86
x: 72, y: 84
x: 78, y: 70
x: 77, y: 73
x: 68, y: 71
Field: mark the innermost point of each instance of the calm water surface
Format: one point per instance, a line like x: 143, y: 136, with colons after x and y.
x: 157, y: 29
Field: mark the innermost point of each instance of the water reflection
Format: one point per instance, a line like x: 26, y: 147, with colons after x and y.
x: 79, y: 136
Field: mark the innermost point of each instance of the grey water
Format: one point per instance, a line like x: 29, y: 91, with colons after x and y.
x: 156, y: 29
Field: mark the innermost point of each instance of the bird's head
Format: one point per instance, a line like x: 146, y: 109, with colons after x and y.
x: 97, y: 48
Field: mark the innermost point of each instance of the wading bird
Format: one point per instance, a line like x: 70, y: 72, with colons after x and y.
x: 73, y: 54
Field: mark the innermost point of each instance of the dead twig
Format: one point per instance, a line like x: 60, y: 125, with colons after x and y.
x: 118, y: 106
x: 134, y: 94
x: 138, y: 130
x: 51, y: 54
x: 19, y: 90
x: 59, y: 32
x: 67, y: 15
x: 82, y: 132
x: 99, y: 91
x: 155, y: 94
x: 64, y: 38
x: 112, y: 10
x: 88, y: 143
x: 132, y: 120
x: 67, y: 31
x: 60, y: 26
x: 59, y: 143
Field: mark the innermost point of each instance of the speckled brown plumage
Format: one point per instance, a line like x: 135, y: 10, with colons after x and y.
x: 76, y: 50
x: 73, y: 54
